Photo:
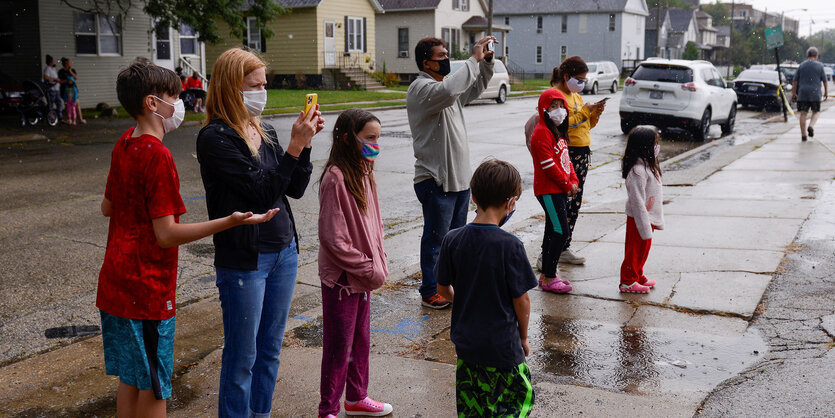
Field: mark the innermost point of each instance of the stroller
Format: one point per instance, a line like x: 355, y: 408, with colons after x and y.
x: 35, y: 105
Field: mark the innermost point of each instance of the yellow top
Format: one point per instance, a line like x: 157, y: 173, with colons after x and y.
x: 580, y: 121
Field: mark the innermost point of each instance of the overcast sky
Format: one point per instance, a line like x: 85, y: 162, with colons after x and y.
x: 821, y: 11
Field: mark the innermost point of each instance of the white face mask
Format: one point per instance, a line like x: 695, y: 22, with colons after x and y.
x: 172, y: 122
x: 574, y: 85
x: 558, y: 115
x: 255, y: 101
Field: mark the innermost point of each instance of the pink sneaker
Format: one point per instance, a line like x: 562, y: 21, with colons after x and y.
x: 634, y: 288
x: 327, y: 416
x: 368, y: 407
x: 556, y: 286
x: 647, y: 282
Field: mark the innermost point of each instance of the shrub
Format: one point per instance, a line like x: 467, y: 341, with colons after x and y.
x: 386, y: 79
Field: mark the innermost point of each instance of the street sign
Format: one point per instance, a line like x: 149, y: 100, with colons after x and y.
x: 773, y: 37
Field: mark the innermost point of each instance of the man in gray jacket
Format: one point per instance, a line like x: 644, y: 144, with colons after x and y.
x: 435, y: 106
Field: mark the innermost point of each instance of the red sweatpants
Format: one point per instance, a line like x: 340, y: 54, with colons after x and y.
x: 635, y: 254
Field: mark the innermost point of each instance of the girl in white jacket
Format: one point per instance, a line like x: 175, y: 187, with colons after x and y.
x: 644, y: 211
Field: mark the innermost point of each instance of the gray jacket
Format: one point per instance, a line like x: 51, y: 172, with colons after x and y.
x: 436, y: 118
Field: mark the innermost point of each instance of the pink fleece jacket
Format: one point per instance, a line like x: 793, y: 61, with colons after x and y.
x: 350, y: 241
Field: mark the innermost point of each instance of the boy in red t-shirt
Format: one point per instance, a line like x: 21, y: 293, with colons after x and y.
x: 138, y: 279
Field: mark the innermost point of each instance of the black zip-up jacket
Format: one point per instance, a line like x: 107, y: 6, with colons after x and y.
x: 235, y: 181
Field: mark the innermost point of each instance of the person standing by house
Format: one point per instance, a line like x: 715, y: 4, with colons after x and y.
x: 243, y: 166
x: 50, y: 78
x: 806, y: 91
x: 435, y: 106
x: 195, y: 85
x: 69, y: 90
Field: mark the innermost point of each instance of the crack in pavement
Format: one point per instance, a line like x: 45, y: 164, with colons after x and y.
x: 74, y: 241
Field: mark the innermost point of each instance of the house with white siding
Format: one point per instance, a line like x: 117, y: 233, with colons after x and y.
x: 545, y: 33
x: 98, y: 45
x: 460, y: 23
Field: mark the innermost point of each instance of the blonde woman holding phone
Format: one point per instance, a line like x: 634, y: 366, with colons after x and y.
x: 243, y: 166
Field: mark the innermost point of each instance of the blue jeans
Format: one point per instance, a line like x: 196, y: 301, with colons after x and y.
x: 255, y: 307
x: 442, y: 211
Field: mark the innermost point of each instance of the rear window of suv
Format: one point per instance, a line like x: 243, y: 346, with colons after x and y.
x: 663, y: 73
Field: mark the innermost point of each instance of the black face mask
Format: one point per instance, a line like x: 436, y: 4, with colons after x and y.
x: 444, y: 66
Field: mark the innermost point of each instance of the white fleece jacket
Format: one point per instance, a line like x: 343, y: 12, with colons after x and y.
x: 644, y: 199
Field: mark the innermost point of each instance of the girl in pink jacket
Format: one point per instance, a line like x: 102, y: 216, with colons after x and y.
x: 352, y: 263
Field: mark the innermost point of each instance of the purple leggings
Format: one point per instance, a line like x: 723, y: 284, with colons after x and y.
x: 345, y: 347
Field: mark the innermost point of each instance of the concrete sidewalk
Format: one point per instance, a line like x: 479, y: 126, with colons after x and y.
x: 730, y: 221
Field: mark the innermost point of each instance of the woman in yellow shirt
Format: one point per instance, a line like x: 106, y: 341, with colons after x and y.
x: 570, y: 79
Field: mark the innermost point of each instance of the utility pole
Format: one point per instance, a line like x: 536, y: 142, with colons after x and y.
x: 657, y: 28
x: 731, y: 39
x: 490, y: 20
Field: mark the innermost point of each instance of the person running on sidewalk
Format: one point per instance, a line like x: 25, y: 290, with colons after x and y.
x: 644, y: 205
x: 138, y: 279
x: 243, y: 167
x: 554, y: 181
x: 351, y: 261
x: 486, y: 272
x: 806, y: 91
x: 435, y: 106
x: 570, y: 79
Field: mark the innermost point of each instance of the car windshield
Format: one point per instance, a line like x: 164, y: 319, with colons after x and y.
x: 592, y: 68
x: 663, y: 73
x: 789, y: 71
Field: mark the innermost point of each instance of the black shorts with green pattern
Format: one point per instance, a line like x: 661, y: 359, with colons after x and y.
x: 494, y: 392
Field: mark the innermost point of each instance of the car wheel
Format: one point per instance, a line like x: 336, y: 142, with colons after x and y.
x: 614, y: 86
x: 593, y: 88
x: 502, y: 95
x: 626, y: 126
x: 33, y: 120
x: 52, y: 118
x: 728, y: 127
x: 702, y: 129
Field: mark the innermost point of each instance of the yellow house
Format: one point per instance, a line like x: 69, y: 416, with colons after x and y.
x: 319, y: 43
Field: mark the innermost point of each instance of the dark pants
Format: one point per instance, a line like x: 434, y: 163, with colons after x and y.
x: 636, y: 251
x: 346, y: 344
x: 556, y: 231
x: 442, y: 211
x: 580, y: 160
x: 55, y: 97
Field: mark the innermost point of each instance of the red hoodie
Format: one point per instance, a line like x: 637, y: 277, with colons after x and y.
x: 552, y: 168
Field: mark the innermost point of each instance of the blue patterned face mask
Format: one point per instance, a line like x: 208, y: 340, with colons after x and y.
x: 369, y: 150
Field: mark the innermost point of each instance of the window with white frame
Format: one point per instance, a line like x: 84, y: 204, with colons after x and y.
x: 355, y: 33
x: 162, y: 34
x: 97, y: 34
x: 507, y: 20
x: 403, y: 42
x: 584, y: 23
x: 564, y: 23
x: 539, y: 24
x: 611, y: 23
x: 188, y: 40
x: 563, y: 53
x: 452, y: 38
x: 539, y: 54
x: 462, y: 5
x: 253, y: 33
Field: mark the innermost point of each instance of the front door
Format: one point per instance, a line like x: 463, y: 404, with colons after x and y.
x: 163, y: 49
x: 330, y: 45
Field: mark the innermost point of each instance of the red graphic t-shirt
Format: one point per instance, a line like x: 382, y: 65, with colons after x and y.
x: 138, y: 279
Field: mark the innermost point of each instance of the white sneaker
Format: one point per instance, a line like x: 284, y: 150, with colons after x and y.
x: 569, y: 257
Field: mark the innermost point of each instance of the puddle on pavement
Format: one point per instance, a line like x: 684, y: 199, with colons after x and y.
x: 725, y: 143
x: 637, y: 360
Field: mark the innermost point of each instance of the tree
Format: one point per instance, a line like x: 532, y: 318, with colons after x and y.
x: 720, y: 13
x: 202, y: 15
x: 691, y: 51
x: 669, y: 3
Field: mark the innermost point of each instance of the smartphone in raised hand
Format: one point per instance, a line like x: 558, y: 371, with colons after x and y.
x: 310, y: 101
x: 603, y: 100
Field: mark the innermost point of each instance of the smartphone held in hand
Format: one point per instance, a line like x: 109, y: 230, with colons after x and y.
x: 310, y: 101
x: 491, y: 46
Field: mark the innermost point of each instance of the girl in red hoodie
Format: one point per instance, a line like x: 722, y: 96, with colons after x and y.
x: 352, y: 263
x: 554, y: 181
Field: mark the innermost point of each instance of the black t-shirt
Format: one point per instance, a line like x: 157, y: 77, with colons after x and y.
x: 277, y: 234
x: 487, y: 268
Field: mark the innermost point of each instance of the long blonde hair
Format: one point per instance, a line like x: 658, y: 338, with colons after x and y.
x: 224, y: 99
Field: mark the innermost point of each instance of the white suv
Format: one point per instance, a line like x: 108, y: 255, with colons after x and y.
x: 678, y: 94
x: 499, y: 86
x: 602, y: 75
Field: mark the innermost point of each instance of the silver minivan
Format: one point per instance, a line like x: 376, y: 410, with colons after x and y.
x: 603, y: 75
x: 499, y: 86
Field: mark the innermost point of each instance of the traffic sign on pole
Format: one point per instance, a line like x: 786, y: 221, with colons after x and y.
x: 773, y: 37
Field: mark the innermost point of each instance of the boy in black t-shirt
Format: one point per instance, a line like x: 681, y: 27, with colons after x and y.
x: 486, y: 273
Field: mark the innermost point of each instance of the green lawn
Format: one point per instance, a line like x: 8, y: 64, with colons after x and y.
x: 533, y: 84
x: 295, y: 98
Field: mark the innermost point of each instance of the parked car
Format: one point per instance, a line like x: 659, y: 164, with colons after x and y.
x: 828, y: 71
x: 602, y: 75
x: 11, y: 92
x: 678, y: 94
x: 758, y: 89
x: 499, y: 86
x: 788, y: 72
